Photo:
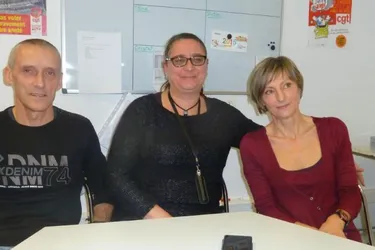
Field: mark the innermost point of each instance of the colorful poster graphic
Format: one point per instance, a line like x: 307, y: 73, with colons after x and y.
x: 23, y: 17
x: 329, y: 23
x: 224, y: 40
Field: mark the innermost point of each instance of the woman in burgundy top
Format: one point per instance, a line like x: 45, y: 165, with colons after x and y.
x: 299, y: 168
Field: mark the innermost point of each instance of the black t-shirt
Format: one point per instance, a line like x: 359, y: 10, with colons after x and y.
x: 42, y: 170
x: 150, y: 161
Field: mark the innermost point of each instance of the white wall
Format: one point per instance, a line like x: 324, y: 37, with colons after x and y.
x: 337, y: 83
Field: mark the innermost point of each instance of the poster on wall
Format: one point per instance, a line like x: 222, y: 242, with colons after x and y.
x: 329, y: 23
x: 23, y: 17
x: 158, y: 78
x: 228, y: 41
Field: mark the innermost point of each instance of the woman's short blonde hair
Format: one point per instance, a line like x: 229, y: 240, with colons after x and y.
x: 266, y: 71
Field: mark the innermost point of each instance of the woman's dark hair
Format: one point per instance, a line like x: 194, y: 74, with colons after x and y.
x: 169, y: 45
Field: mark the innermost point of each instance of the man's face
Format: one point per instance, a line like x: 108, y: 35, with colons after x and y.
x: 35, y: 77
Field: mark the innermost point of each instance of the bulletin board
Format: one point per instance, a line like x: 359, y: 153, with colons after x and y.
x: 116, y: 46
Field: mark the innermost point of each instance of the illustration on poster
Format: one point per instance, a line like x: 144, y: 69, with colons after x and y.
x: 321, y: 5
x: 321, y: 26
x: 224, y: 40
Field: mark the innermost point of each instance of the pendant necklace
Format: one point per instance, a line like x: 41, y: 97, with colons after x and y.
x: 185, y: 110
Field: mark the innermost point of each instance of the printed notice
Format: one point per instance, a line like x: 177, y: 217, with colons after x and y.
x: 224, y: 40
x: 23, y: 17
x: 99, y: 62
x: 329, y: 23
x: 158, y: 76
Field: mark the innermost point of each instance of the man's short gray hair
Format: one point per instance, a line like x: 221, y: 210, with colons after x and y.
x: 31, y: 41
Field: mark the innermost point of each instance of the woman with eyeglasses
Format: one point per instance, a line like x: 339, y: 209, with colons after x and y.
x: 169, y: 149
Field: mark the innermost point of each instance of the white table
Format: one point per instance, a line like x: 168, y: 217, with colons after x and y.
x: 187, y: 233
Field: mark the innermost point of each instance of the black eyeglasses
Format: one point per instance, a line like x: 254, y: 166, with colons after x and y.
x: 181, y: 61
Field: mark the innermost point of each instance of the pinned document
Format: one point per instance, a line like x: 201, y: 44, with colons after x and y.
x: 158, y: 72
x: 99, y: 62
x: 228, y: 41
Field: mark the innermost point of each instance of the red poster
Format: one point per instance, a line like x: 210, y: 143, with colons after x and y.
x: 21, y: 17
x: 329, y: 22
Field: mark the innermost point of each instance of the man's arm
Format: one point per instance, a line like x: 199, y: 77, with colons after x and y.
x: 94, y: 170
x: 103, y: 212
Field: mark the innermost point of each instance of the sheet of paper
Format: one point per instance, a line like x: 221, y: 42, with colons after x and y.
x: 99, y: 62
x: 158, y: 76
x: 229, y: 41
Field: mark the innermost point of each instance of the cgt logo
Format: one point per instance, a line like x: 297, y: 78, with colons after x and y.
x: 343, y: 18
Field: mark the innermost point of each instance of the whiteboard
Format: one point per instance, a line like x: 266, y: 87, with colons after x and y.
x: 146, y: 25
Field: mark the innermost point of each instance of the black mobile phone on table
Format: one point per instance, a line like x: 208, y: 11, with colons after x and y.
x: 237, y: 242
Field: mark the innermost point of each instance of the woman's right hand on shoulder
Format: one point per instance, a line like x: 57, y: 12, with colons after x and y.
x: 157, y: 212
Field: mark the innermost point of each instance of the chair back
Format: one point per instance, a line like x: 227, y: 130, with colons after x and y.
x: 89, y: 204
x: 366, y: 215
x: 225, y: 198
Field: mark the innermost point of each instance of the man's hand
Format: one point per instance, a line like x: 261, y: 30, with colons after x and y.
x: 103, y: 212
x: 361, y: 179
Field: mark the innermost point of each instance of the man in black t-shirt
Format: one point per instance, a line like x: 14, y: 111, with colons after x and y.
x: 46, y: 153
